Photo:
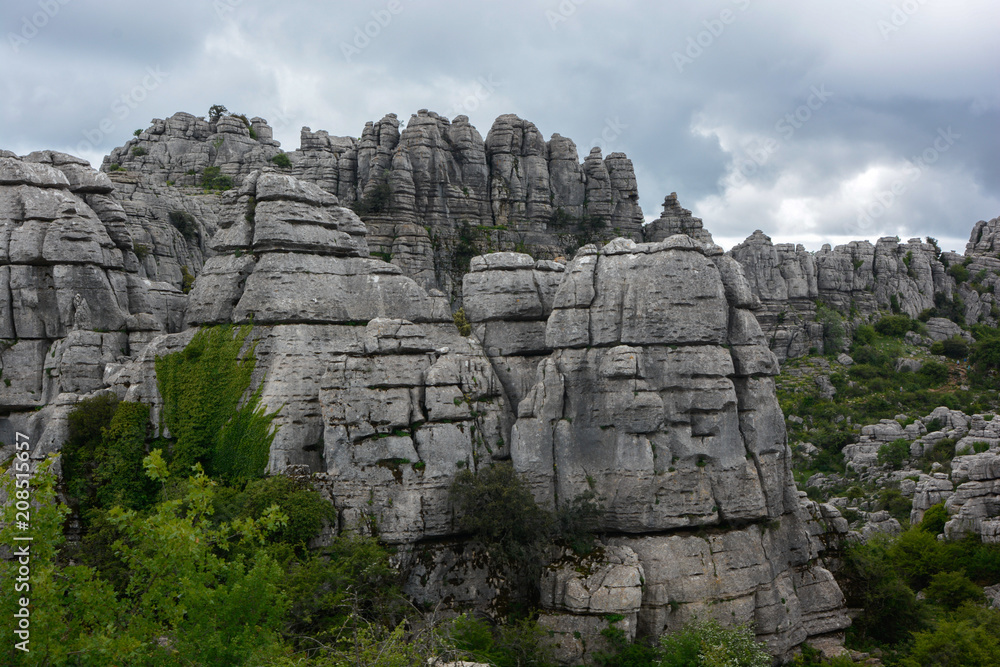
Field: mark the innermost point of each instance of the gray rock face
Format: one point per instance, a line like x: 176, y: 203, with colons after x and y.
x: 432, y: 195
x: 659, y: 397
x: 857, y: 280
x: 71, y: 299
x: 508, y: 298
x: 676, y: 220
x: 638, y: 371
x: 579, y: 596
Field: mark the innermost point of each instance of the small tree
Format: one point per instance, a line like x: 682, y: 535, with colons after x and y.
x: 216, y: 111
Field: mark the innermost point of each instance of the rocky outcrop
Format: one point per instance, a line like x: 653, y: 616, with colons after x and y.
x: 676, y: 220
x: 659, y: 397
x: 858, y: 280
x: 636, y: 371
x: 432, y: 195
x: 72, y: 298
x: 508, y: 298
x: 968, y: 484
x: 861, y: 281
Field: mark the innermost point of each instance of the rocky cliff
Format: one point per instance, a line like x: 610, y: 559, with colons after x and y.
x: 861, y: 281
x: 637, y: 370
x: 432, y: 195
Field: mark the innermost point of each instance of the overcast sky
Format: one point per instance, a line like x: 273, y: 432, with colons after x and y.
x: 814, y: 120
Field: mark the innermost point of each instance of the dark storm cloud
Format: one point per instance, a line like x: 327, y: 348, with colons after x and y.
x: 715, y: 100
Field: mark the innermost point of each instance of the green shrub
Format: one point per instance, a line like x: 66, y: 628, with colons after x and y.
x: 871, y: 581
x: 495, y: 507
x: 954, y: 644
x: 895, y: 503
x: 950, y: 589
x: 934, y: 519
x: 282, y: 160
x: 212, y: 178
x: 985, y: 353
x: 709, y: 644
x: 216, y: 111
x: 514, y: 644
x: 138, y: 151
x: 865, y: 335
x: 186, y: 224
x: 833, y: 329
x: 202, y: 387
x: 934, y: 372
x: 305, y: 509
x: 187, y: 280
x: 332, y: 589
x: 577, y: 521
x: 955, y: 347
x: 462, y: 322
x: 894, y: 325
x: 102, y: 459
x: 959, y: 272
x: 377, y: 200
x: 894, y: 454
x: 942, y: 451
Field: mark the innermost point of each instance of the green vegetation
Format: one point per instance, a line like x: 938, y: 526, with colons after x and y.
x: 216, y: 111
x: 186, y: 224
x: 375, y: 201
x: 202, y: 388
x: 949, y: 627
x: 138, y: 151
x: 953, y: 348
x: 872, y: 389
x: 462, y: 322
x: 894, y: 454
x: 894, y: 325
x: 833, y: 328
x: 498, y: 510
x: 708, y: 644
x: 187, y: 280
x: 212, y: 178
x: 282, y: 160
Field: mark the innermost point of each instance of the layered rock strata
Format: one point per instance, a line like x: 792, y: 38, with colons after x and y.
x: 433, y: 195
x: 659, y: 397
x: 637, y: 371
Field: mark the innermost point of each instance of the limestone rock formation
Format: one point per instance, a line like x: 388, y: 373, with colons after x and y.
x: 432, y: 195
x: 659, y: 397
x: 73, y: 300
x: 858, y: 280
x: 637, y: 371
x: 676, y: 220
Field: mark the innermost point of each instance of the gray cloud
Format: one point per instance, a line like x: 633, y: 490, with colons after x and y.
x: 691, y: 91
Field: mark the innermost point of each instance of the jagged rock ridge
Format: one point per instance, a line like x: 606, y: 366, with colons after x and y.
x: 432, y: 195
